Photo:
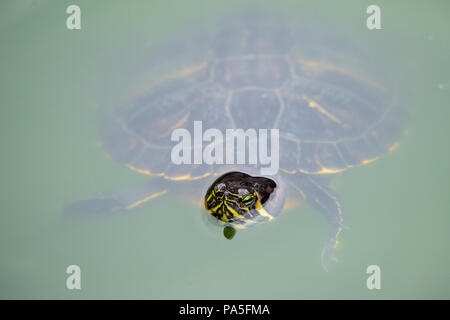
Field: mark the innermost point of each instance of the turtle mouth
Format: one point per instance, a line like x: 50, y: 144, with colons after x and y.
x: 230, y: 213
x: 229, y: 209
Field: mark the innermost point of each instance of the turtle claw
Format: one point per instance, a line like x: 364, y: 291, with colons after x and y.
x: 92, y: 206
x: 343, y: 226
x: 328, y: 257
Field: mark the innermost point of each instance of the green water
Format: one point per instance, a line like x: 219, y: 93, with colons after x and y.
x: 397, y: 208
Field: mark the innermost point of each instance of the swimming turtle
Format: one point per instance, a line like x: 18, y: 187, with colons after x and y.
x: 331, y: 117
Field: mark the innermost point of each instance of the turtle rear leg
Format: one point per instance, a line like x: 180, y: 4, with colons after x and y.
x: 111, y: 203
x: 322, y: 198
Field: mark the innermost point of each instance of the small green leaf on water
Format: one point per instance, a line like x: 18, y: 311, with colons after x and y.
x: 229, y: 232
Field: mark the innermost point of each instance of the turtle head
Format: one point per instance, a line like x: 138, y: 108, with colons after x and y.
x: 239, y: 199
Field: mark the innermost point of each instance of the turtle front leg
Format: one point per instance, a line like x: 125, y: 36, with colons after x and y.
x: 322, y: 198
x: 110, y: 203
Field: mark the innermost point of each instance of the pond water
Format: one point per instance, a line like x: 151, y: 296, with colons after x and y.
x: 397, y: 208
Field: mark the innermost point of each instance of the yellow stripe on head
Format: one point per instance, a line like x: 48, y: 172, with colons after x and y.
x: 259, y: 207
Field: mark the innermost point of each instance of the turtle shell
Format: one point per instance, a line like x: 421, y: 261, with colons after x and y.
x: 331, y: 117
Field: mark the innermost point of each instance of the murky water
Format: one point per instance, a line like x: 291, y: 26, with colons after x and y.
x: 51, y: 80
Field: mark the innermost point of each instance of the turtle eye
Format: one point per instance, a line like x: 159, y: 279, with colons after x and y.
x: 248, y: 200
x: 219, y: 187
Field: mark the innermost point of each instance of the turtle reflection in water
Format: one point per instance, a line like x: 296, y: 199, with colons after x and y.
x: 331, y: 118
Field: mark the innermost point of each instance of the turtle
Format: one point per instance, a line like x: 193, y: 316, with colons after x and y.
x: 330, y: 117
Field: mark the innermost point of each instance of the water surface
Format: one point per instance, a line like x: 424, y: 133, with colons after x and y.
x: 397, y: 208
